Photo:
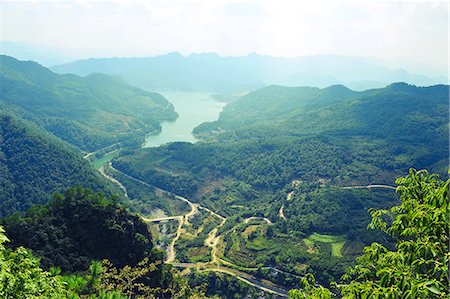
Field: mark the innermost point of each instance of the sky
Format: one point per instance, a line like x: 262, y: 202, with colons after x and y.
x: 390, y: 30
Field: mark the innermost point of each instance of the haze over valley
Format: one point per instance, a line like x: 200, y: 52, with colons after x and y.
x: 235, y: 149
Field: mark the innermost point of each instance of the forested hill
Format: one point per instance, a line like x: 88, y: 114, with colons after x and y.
x: 89, y: 112
x: 34, y: 164
x: 78, y: 226
x: 396, y: 111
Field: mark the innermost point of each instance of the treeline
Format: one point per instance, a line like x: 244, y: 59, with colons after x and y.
x: 77, y: 227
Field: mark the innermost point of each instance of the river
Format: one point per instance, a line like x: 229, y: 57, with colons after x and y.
x: 193, y: 108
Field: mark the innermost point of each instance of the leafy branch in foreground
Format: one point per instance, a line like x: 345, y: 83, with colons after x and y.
x: 418, y: 267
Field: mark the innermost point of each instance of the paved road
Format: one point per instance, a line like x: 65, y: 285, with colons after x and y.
x: 261, y: 284
x: 102, y: 149
x: 371, y: 187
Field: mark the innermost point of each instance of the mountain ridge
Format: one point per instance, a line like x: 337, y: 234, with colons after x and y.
x: 234, y: 73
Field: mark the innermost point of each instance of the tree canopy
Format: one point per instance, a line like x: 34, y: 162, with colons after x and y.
x: 418, y: 265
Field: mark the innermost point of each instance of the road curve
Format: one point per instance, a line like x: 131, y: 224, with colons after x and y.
x: 281, y: 213
x: 247, y: 220
x: 370, y: 187
x: 261, y: 284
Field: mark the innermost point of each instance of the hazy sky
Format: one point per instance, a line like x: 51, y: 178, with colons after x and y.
x: 382, y: 29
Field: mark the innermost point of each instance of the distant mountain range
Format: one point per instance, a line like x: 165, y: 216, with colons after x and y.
x: 209, y: 71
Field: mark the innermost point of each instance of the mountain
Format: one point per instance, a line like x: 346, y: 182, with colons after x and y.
x: 47, y: 56
x: 394, y: 112
x: 208, y: 71
x: 90, y: 112
x: 34, y: 164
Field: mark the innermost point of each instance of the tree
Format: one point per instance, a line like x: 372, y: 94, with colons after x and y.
x: 418, y: 267
x: 21, y: 276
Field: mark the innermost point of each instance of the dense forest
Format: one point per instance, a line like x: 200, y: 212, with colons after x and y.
x: 79, y: 226
x: 34, y: 164
x: 89, y: 112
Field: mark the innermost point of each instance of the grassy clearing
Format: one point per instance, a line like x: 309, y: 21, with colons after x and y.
x: 309, y: 242
x: 337, y: 242
x: 336, y: 248
x: 325, y: 238
x: 105, y: 159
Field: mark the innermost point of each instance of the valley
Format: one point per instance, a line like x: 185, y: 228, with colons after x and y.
x: 229, y: 149
x: 212, y: 234
x: 265, y: 188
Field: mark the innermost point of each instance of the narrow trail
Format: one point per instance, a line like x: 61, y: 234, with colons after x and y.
x: 171, y: 249
x: 146, y: 219
x: 281, y: 213
x: 370, y: 187
x: 289, y: 196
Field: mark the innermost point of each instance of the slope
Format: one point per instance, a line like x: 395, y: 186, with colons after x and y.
x: 89, y: 112
x: 34, y: 164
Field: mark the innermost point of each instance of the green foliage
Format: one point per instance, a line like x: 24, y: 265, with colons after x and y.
x: 222, y: 285
x: 418, y: 267
x: 80, y: 226
x: 146, y: 280
x: 21, y: 277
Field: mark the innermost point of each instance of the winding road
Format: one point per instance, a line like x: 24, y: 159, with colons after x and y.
x: 370, y: 187
x: 121, y: 186
x: 247, y: 220
x: 216, y: 264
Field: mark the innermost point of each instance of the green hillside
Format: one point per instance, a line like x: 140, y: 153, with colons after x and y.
x: 34, y: 164
x: 79, y: 226
x: 396, y: 111
x: 90, y: 112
